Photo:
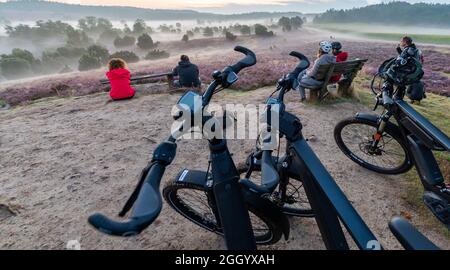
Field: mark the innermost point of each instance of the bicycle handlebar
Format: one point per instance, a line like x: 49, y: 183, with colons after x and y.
x: 304, y: 63
x: 248, y: 61
x: 148, y: 203
x: 147, y: 208
x: 146, y: 200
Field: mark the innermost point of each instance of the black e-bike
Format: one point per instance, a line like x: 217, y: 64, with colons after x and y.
x: 378, y: 144
x: 327, y: 203
x: 231, y: 203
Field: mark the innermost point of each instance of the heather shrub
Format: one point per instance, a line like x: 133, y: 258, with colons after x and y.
x: 185, y: 38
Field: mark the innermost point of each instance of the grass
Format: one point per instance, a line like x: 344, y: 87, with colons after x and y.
x: 419, y: 38
x: 436, y: 109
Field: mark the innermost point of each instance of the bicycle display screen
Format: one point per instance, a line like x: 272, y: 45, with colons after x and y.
x: 191, y: 101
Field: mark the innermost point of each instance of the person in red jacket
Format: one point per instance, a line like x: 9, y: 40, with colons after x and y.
x: 340, y: 57
x: 119, y: 78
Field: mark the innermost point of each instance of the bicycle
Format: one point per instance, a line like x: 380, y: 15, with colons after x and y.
x: 227, y: 197
x: 380, y: 145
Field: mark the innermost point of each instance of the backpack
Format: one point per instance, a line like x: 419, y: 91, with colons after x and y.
x: 416, y: 91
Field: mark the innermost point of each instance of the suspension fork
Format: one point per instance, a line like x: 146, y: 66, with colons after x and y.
x: 382, y: 123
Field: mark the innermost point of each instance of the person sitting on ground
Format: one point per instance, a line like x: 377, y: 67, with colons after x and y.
x: 340, y: 57
x: 119, y: 78
x: 188, y: 73
x: 307, y: 78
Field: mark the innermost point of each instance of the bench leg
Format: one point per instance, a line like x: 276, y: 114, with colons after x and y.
x: 314, y: 94
x: 344, y: 88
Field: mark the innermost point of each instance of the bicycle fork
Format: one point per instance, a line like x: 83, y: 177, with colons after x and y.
x: 384, y: 119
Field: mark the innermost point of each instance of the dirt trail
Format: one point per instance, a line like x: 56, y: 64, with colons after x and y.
x: 62, y: 159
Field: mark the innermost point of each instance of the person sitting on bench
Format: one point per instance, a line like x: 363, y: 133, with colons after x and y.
x: 340, y: 57
x: 119, y: 78
x: 188, y: 74
x: 306, y: 79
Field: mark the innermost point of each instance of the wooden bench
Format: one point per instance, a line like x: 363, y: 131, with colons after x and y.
x: 139, y: 79
x: 348, y: 70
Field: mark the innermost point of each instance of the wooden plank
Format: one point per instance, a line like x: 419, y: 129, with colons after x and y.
x: 142, y: 77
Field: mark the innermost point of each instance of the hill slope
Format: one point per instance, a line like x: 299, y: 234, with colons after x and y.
x: 36, y: 10
x: 402, y: 12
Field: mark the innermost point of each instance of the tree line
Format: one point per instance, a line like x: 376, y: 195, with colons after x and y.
x: 394, y: 13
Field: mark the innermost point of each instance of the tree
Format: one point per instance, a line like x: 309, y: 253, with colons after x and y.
x: 178, y: 25
x: 245, y: 30
x: 109, y: 35
x: 185, y: 38
x: 128, y: 56
x: 208, y: 32
x: 77, y: 38
x: 296, y: 22
x: 88, y: 62
x: 190, y: 33
x: 145, y: 42
x: 99, y: 52
x: 139, y: 27
x: 261, y: 30
x: 126, y: 41
x: 285, y: 23
x: 23, y: 54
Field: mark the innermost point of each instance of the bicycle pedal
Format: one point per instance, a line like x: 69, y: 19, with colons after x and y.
x: 438, y: 206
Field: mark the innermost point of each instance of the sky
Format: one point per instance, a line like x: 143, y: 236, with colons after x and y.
x: 230, y: 6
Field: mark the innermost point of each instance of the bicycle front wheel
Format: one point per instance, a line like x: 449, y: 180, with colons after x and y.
x: 191, y: 201
x: 355, y: 138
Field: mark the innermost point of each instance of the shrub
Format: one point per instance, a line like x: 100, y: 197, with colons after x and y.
x: 230, y: 36
x: 261, y: 30
x: 145, y: 42
x: 15, y: 68
x: 70, y: 52
x: 185, y: 38
x: 128, y: 56
x: 157, y: 54
x: 126, y: 41
x: 88, y: 62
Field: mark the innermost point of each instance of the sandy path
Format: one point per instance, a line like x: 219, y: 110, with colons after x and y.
x: 61, y: 160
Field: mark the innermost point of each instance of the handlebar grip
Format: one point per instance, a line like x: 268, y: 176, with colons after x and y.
x: 248, y: 61
x: 304, y: 63
x: 147, y: 208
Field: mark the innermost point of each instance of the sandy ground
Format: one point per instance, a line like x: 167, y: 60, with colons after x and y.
x: 63, y: 159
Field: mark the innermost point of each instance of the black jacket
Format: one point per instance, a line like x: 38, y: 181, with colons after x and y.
x: 188, y: 74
